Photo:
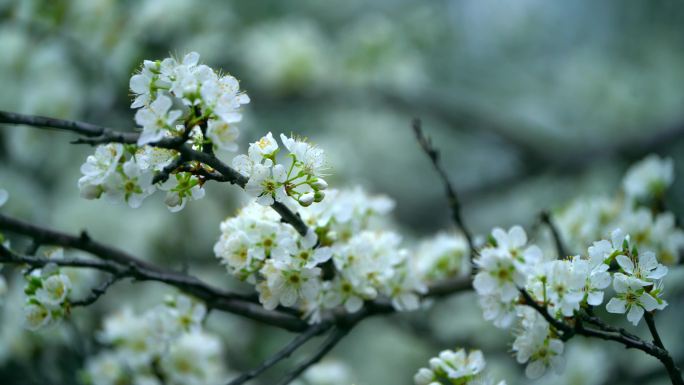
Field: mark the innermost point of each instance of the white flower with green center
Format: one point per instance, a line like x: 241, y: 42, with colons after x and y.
x: 497, y: 274
x: 596, y: 279
x: 649, y: 178
x: 36, y: 316
x: 54, y: 291
x: 98, y: 168
x: 534, y: 345
x: 181, y: 188
x: 223, y: 135
x: 154, y: 158
x: 265, y: 147
x: 631, y: 298
x: 156, y: 119
x: 130, y: 185
x: 564, y: 286
x: 267, y: 184
x: 286, y: 285
x: 143, y: 85
x: 645, y: 266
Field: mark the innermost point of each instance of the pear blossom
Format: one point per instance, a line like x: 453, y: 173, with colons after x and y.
x: 644, y: 266
x: 536, y: 347
x: 497, y: 274
x: 131, y: 185
x: 564, y: 286
x: 456, y: 367
x: 596, y: 278
x: 649, y: 177
x: 156, y: 119
x: 223, y: 135
x: 267, y: 184
x: 150, y: 158
x: 285, y: 284
x: 631, y: 297
x: 167, y: 337
x: 36, y: 316
x: 54, y: 291
x: 181, y: 188
x: 442, y: 256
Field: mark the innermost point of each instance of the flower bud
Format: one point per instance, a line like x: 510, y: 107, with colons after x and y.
x: 90, y: 191
x: 318, y: 196
x: 307, y: 199
x: 173, y: 199
x: 424, y: 376
x: 320, y: 184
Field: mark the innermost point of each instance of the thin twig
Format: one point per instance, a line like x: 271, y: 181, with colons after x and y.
x: 95, y: 134
x: 332, y: 340
x: 610, y: 333
x: 282, y: 354
x: 115, y: 261
x: 97, y: 292
x: 545, y: 217
x: 454, y: 202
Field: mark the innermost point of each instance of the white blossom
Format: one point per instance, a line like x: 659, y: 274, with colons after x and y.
x: 649, y: 178
x: 36, y: 316
x: 181, y: 188
x: 156, y: 120
x: 534, y: 345
x: 631, y: 297
x: 54, y: 291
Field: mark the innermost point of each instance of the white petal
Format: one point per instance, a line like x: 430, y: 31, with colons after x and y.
x: 535, y: 369
x: 616, y: 305
x: 626, y: 264
x: 634, y: 315
x: 648, y: 302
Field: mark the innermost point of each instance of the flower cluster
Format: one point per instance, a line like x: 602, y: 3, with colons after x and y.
x: 187, y: 103
x: 201, y: 97
x: 124, y: 173
x: 564, y: 288
x: 344, y: 260
x: 457, y: 368
x: 442, y: 256
x: 182, y: 101
x: 299, y: 179
x: 47, y: 291
x: 637, y: 212
x: 166, y: 344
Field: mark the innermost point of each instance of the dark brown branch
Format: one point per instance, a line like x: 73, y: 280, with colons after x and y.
x: 95, y: 134
x: 97, y: 292
x: 119, y: 262
x: 654, y: 331
x: 672, y: 369
x: 545, y: 217
x: 332, y: 340
x: 610, y: 333
x: 284, y: 353
x: 454, y: 202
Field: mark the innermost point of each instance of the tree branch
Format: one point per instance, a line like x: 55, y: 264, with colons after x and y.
x: 454, y: 202
x: 332, y: 340
x: 610, y: 333
x: 121, y: 263
x: 97, y: 292
x: 545, y: 217
x: 95, y: 134
x: 284, y: 353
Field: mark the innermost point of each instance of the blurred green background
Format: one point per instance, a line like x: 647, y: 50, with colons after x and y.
x: 531, y: 102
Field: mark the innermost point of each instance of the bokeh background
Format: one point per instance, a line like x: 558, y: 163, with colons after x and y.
x: 532, y: 103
